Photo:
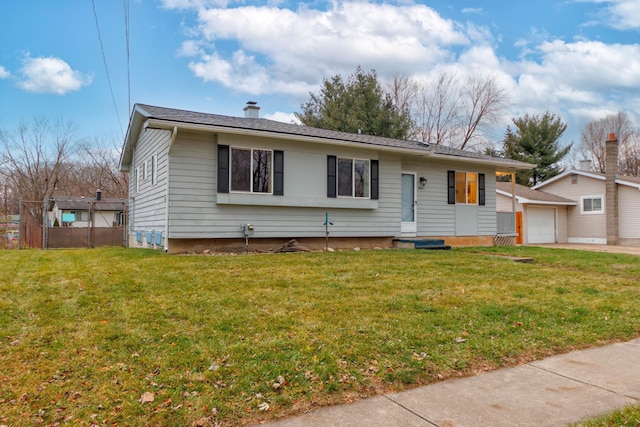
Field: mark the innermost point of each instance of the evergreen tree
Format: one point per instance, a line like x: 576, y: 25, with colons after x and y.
x: 358, y: 105
x: 535, y: 139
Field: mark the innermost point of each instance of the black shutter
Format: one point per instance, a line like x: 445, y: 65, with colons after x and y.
x: 331, y: 176
x: 278, y: 172
x: 374, y: 180
x: 481, y: 192
x: 451, y: 187
x: 223, y: 168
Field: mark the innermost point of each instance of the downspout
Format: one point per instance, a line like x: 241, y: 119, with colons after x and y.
x: 174, y: 133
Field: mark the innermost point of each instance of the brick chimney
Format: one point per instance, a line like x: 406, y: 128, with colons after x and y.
x: 611, y: 196
x: 251, y: 110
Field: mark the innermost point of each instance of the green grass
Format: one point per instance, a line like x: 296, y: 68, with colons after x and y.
x: 85, y: 334
x: 628, y: 417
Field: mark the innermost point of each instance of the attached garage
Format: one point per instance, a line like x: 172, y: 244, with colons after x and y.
x: 541, y: 225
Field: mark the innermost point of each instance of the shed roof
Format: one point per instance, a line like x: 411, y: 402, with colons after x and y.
x: 171, y: 117
x: 83, y: 203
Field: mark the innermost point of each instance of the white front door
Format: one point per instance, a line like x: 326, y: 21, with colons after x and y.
x: 408, y: 204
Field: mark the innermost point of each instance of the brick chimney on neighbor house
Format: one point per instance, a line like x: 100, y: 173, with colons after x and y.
x: 251, y: 110
x: 611, y: 196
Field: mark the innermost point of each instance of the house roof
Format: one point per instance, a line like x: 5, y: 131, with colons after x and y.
x: 630, y: 181
x: 169, y: 118
x: 82, y: 203
x: 526, y: 195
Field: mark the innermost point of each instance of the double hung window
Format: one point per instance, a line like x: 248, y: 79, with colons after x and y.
x: 250, y: 170
x: 591, y: 205
x: 349, y: 177
x: 466, y: 188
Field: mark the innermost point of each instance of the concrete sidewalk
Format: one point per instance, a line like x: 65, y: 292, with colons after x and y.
x: 552, y: 392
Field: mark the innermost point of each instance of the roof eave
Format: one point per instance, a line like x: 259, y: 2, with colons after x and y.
x: 136, y: 121
x: 509, y: 165
x: 569, y: 172
x: 628, y: 183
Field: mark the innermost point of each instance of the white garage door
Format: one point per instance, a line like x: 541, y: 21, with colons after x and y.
x: 541, y: 225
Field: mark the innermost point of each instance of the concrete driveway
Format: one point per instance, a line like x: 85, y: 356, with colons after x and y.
x: 632, y: 250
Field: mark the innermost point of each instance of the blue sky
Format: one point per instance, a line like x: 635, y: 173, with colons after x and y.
x: 576, y: 58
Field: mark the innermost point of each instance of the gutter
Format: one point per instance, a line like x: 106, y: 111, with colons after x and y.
x: 165, y: 124
x: 174, y: 133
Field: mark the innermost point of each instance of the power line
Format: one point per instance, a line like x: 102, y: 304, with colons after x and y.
x: 126, y: 25
x: 106, y: 68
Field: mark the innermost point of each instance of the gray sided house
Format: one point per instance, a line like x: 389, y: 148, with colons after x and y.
x: 204, y: 181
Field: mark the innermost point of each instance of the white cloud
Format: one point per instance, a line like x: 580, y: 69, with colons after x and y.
x: 473, y: 10
x: 621, y: 14
x: 4, y: 73
x: 270, y: 50
x: 281, y: 50
x: 279, y: 116
x: 51, y: 75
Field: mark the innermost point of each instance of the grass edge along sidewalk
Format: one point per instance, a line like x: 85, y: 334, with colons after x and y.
x: 130, y: 337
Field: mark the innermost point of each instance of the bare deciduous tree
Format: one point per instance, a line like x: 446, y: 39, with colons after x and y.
x: 630, y: 155
x: 437, y: 110
x: 482, y: 101
x: 449, y: 111
x: 35, y: 158
x: 595, y: 133
x: 99, y: 170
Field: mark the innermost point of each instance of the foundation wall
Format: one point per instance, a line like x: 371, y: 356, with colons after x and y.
x: 177, y: 246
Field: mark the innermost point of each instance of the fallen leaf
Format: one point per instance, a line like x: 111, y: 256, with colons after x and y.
x: 264, y: 406
x: 460, y: 340
x: 146, y: 398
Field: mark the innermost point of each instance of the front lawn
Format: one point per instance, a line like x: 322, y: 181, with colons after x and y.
x: 137, y: 337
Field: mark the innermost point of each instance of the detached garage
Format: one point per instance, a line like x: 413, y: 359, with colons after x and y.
x: 541, y: 218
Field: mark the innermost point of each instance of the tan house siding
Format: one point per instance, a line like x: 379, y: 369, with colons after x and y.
x: 505, y: 204
x: 629, y: 212
x: 562, y: 224
x: 582, y: 228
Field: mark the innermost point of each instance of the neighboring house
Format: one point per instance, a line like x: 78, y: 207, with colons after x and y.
x: 604, y: 210
x: 82, y: 212
x: 9, y: 226
x: 540, y: 217
x: 204, y: 181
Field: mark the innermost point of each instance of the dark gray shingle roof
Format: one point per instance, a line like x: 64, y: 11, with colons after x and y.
x: 280, y: 128
x: 533, y: 195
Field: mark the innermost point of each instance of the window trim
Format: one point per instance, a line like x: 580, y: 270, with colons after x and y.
x: 251, y: 150
x: 224, y: 173
x: 480, y: 188
x: 601, y: 211
x: 154, y: 169
x: 336, y: 178
x: 138, y: 181
x: 332, y: 178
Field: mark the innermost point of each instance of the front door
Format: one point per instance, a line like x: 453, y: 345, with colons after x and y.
x: 408, y: 204
x: 519, y: 236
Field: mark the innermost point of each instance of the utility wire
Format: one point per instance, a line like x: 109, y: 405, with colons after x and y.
x: 106, y: 68
x: 126, y: 25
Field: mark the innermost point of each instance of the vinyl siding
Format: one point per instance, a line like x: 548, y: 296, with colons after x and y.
x: 580, y: 225
x: 148, y: 204
x: 505, y: 204
x: 435, y: 217
x: 628, y: 209
x: 197, y: 212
